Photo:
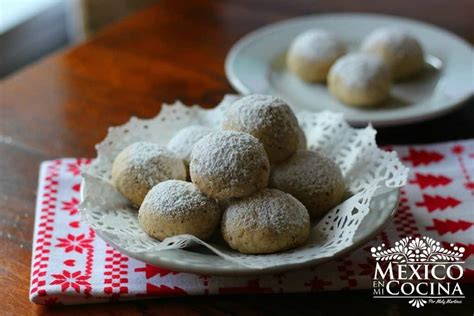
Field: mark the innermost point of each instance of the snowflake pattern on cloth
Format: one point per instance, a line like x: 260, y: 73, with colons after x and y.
x: 71, y: 265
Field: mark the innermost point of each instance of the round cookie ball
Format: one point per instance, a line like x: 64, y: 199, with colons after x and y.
x: 183, y: 142
x: 313, y: 179
x: 269, y: 119
x: 141, y: 166
x: 302, y: 142
x: 360, y: 80
x: 312, y: 53
x: 177, y: 207
x: 400, y: 50
x: 228, y: 164
x: 266, y: 222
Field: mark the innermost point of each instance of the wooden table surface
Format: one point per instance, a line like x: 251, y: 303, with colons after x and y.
x: 62, y: 106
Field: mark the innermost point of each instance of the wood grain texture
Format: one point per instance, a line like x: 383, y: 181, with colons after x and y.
x: 63, y: 105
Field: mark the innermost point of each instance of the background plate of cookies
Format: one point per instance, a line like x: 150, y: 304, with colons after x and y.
x: 373, y: 68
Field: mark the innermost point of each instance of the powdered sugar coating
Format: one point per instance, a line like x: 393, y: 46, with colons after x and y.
x: 266, y: 222
x: 269, y: 119
x: 302, y: 141
x: 183, y: 142
x: 312, y: 178
x: 176, y: 207
x: 400, y: 50
x: 317, y: 45
x: 227, y: 164
x: 360, y: 80
x: 141, y: 166
x: 399, y: 41
x: 359, y: 71
x: 312, y: 54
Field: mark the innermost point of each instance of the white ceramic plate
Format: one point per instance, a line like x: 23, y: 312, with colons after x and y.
x: 201, y: 260
x: 255, y: 64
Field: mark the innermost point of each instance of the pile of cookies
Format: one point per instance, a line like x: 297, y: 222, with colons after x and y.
x: 362, y: 78
x: 253, y: 177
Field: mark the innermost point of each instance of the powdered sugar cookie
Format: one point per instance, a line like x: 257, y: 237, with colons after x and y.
x: 141, y: 166
x: 360, y: 80
x: 312, y: 53
x: 400, y: 50
x: 176, y: 207
x: 302, y: 141
x: 266, y: 222
x: 312, y: 178
x: 183, y: 142
x: 228, y: 164
x: 270, y: 120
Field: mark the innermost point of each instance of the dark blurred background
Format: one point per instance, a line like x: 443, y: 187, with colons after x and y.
x: 31, y: 29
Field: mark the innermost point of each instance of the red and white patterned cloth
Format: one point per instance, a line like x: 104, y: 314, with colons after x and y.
x: 71, y: 265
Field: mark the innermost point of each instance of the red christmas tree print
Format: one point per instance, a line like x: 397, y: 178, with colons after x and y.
x: 205, y: 283
x: 457, y: 149
x: 74, y: 280
x: 436, y: 202
x: 164, y: 290
x: 71, y: 206
x: 469, y: 185
x: 151, y: 271
x: 76, y: 187
x: 422, y: 157
x: 76, y: 167
x: 449, y: 226
x: 74, y: 224
x: 75, y: 243
x: 429, y: 180
x: 368, y: 267
x: 52, y: 301
x: 317, y: 284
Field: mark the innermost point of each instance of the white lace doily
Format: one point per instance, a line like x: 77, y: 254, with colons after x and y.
x: 368, y: 171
